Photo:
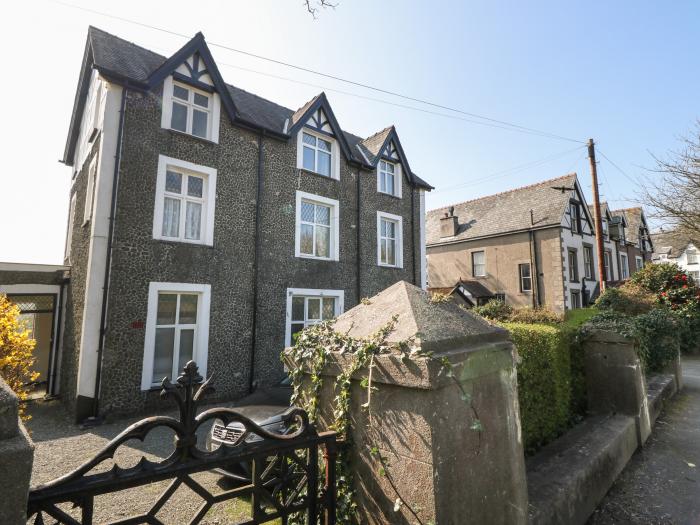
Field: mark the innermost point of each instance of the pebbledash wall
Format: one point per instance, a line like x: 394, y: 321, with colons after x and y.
x: 227, y: 266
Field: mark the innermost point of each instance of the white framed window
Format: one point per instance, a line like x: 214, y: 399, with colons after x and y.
x: 695, y: 275
x: 69, y: 232
x: 389, y: 240
x: 575, y: 217
x: 185, y: 202
x: 639, y: 262
x: 624, y: 266
x: 573, y: 266
x: 307, y: 306
x: 479, y: 264
x: 389, y: 178
x: 606, y: 265
x: 190, y: 110
x: 317, y: 227
x: 575, y: 299
x: 692, y: 255
x: 525, y: 277
x: 90, y: 190
x: 588, y: 262
x: 177, y: 330
x: 318, y: 153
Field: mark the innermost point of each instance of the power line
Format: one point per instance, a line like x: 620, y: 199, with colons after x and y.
x: 509, y: 171
x: 517, y: 127
x: 618, y: 168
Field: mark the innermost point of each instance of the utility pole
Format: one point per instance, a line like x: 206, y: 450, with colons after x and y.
x: 598, y: 223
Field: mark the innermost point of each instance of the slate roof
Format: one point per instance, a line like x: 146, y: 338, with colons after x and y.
x: 671, y: 243
x: 633, y: 218
x: 371, y: 145
x: 505, y: 212
x: 124, y: 61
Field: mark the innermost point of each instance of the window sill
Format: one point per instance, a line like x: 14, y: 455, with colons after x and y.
x: 397, y: 197
x: 182, y: 242
x: 313, y: 258
x: 394, y: 266
x: 188, y: 135
x: 316, y: 174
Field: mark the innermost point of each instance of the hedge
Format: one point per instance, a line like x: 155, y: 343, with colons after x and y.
x: 551, y: 385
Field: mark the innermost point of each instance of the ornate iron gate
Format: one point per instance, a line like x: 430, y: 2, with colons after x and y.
x: 284, y: 482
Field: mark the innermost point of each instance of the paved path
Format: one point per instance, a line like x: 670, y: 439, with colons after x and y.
x: 661, y: 484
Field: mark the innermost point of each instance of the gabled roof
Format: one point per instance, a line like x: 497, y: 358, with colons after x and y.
x: 633, y: 218
x: 671, y: 243
x: 134, y: 66
x: 506, y: 212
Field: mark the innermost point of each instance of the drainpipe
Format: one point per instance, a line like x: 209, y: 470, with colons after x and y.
x: 359, y: 239
x: 416, y: 280
x: 54, y: 357
x: 108, y: 263
x: 256, y: 258
x: 533, y: 271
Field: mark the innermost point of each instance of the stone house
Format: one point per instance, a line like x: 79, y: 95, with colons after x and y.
x: 634, y: 242
x: 675, y: 248
x: 208, y: 223
x: 531, y: 246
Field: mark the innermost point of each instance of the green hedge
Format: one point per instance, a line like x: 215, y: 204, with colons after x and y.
x: 551, y: 385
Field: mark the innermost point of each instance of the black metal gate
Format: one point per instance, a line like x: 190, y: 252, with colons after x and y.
x: 284, y: 485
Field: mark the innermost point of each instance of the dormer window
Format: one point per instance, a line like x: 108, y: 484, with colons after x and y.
x: 317, y: 154
x: 190, y: 110
x: 389, y: 178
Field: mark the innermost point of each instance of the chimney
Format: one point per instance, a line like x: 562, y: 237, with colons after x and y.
x: 448, y: 223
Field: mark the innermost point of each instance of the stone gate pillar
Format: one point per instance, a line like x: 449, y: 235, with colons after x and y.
x: 16, y: 458
x: 428, y: 450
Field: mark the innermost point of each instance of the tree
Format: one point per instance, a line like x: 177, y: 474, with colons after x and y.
x: 16, y: 347
x: 312, y: 6
x: 674, y: 194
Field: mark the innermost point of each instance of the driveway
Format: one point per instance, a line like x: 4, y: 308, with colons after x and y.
x: 661, y: 484
x: 62, y: 446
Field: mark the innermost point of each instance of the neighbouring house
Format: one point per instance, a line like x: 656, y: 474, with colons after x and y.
x: 673, y: 247
x: 532, y: 246
x: 208, y: 223
x: 634, y: 243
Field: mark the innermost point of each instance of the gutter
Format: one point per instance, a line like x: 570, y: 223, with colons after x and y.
x: 108, y: 263
x: 256, y: 258
x: 470, y: 239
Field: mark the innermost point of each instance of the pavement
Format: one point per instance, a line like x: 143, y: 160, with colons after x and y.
x: 661, y: 483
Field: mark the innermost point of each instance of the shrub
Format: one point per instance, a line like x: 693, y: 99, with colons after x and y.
x: 579, y: 316
x: 495, y: 310
x: 535, y: 316
x: 654, y: 277
x: 630, y: 298
x: 545, y: 381
x: 16, y: 349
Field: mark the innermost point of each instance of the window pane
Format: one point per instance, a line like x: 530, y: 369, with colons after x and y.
x: 390, y: 229
x: 382, y: 250
x: 199, y: 123
x: 296, y: 328
x: 306, y: 241
x: 324, y: 145
x: 525, y: 270
x: 323, y: 241
x: 391, y: 252
x: 173, y: 182
x: 186, y: 347
x: 307, y: 212
x: 163, y: 354
x: 309, y: 139
x: 389, y: 167
x: 323, y: 215
x: 188, y: 309
x: 195, y: 186
x: 314, y: 308
x: 309, y: 159
x: 478, y: 257
x: 167, y: 303
x: 389, y: 184
x: 180, y: 92
x: 328, y: 308
x: 171, y: 217
x: 201, y: 100
x: 193, y: 220
x: 297, y: 309
x: 324, y: 163
x: 179, y: 119
x: 382, y: 182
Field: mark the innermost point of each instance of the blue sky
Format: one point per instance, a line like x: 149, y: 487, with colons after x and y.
x: 624, y: 73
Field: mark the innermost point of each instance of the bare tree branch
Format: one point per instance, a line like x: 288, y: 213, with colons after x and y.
x: 312, y: 7
x: 673, y: 188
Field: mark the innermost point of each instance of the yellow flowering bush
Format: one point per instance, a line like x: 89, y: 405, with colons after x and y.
x: 16, y: 347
